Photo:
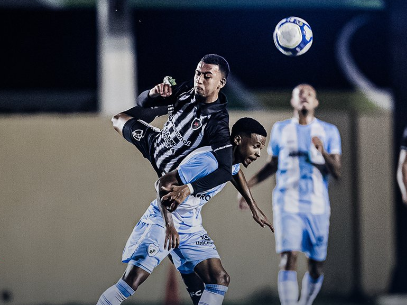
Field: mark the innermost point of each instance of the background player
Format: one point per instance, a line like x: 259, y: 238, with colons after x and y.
x: 303, y: 151
x: 402, y: 167
x: 181, y: 233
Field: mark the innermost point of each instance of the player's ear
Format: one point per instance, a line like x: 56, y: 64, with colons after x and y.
x: 237, y: 140
x: 222, y: 83
x: 316, y: 103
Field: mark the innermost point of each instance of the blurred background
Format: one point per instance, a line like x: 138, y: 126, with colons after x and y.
x: 72, y: 188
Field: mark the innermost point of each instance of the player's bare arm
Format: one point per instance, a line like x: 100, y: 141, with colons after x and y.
x: 165, y: 183
x: 119, y: 120
x: 402, y: 174
x: 240, y: 183
x: 332, y: 161
x: 269, y: 169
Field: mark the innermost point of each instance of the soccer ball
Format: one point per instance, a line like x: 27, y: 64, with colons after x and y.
x: 293, y: 36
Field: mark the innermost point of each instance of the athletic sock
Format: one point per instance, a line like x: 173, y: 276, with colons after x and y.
x: 213, y: 294
x: 288, y: 287
x: 195, y: 295
x: 116, y: 294
x: 310, y: 289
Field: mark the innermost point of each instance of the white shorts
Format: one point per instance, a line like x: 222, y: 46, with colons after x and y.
x: 145, y: 248
x: 302, y: 232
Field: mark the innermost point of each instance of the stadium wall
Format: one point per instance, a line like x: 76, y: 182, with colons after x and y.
x: 72, y: 190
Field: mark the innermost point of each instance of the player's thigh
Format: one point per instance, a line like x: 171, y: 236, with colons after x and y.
x: 316, y: 243
x: 140, y: 134
x: 288, y: 231
x: 145, y: 246
x: 193, y: 249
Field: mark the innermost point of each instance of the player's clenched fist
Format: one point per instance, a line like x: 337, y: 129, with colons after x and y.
x: 163, y: 90
x: 318, y: 144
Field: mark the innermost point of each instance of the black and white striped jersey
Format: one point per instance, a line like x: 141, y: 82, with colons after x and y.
x: 191, y: 124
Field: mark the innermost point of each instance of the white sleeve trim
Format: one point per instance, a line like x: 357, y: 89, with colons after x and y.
x: 191, y: 189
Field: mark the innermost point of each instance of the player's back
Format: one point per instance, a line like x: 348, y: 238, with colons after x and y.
x: 301, y: 186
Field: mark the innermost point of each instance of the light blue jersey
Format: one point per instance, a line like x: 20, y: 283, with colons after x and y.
x: 300, y: 198
x: 187, y: 217
x: 301, y: 187
x: 145, y: 246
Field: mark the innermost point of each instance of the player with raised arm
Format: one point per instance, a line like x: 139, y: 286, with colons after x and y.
x: 171, y: 228
x: 303, y: 152
x: 198, y: 117
x: 402, y: 167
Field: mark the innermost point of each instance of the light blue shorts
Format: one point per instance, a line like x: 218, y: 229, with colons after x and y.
x: 302, y: 232
x: 145, y: 248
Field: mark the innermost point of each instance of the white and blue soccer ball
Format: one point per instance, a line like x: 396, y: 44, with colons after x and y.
x: 293, y: 36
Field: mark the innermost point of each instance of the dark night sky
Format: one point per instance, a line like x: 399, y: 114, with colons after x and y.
x: 53, y: 50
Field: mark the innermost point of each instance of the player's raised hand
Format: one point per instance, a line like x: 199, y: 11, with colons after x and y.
x: 175, y: 196
x: 261, y: 219
x: 171, y: 238
x: 318, y: 144
x: 163, y: 90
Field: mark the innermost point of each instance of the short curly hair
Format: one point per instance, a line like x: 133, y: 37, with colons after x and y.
x: 248, y: 126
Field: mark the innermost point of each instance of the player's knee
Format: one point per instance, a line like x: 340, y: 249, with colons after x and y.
x: 288, y: 260
x: 223, y: 278
x: 315, y: 269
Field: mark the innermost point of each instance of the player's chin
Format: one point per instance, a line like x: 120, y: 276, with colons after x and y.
x: 247, y: 162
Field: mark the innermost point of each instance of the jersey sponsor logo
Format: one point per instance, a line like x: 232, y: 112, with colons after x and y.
x: 169, y: 141
x: 152, y: 250
x: 196, y: 124
x: 205, y: 241
x: 298, y: 154
x: 205, y: 197
x: 138, y: 134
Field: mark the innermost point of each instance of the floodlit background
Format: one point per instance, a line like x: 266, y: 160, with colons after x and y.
x: 71, y: 189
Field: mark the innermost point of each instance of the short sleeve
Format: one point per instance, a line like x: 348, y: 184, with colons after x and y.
x: 334, y: 141
x: 197, y: 166
x: 235, y: 169
x: 273, y: 147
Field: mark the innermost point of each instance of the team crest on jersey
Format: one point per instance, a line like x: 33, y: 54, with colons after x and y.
x: 196, y: 124
x: 152, y: 250
x: 137, y: 134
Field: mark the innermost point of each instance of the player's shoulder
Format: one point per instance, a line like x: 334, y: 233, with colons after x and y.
x: 281, y: 124
x: 326, y: 125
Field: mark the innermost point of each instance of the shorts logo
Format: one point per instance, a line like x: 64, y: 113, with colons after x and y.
x: 137, y: 134
x: 152, y: 250
x: 205, y: 241
x: 196, y: 124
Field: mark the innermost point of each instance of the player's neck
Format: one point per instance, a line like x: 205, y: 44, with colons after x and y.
x: 208, y: 99
x: 304, y: 117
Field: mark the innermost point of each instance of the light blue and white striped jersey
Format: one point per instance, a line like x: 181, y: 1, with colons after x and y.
x: 301, y: 187
x: 187, y: 217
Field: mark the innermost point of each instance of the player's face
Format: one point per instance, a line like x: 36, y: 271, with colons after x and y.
x: 208, y: 81
x: 248, y: 148
x: 304, y: 97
